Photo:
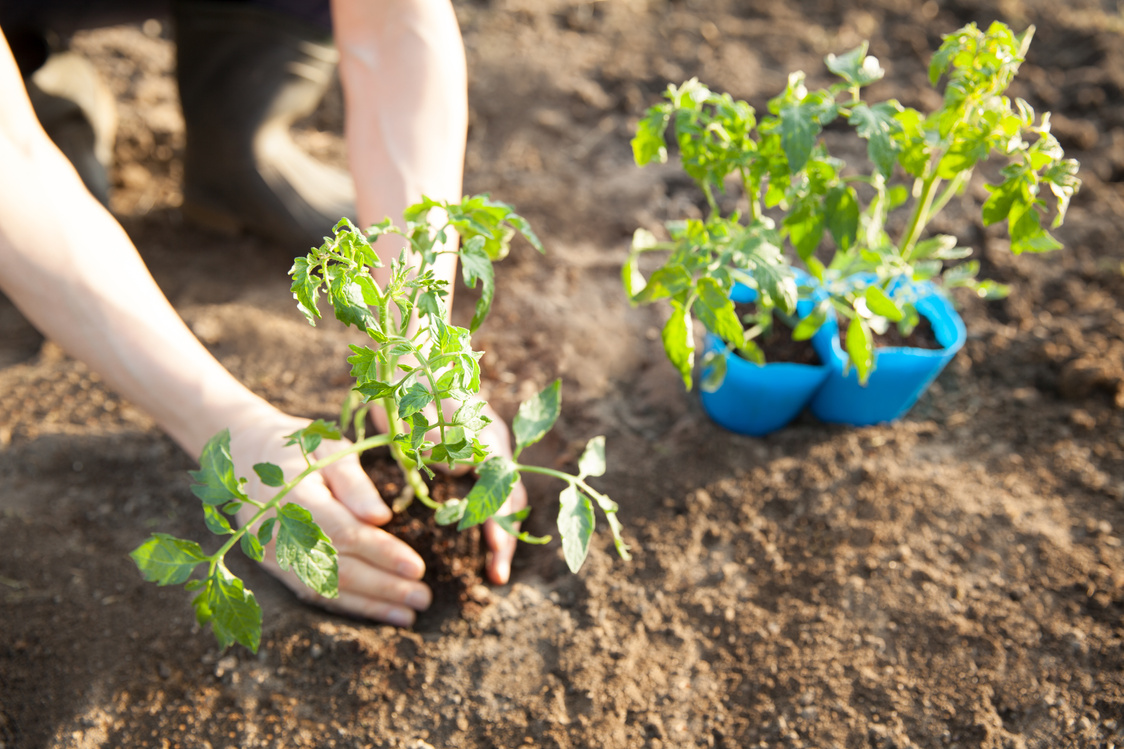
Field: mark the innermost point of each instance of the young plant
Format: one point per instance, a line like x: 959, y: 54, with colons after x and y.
x: 833, y: 215
x: 424, y: 373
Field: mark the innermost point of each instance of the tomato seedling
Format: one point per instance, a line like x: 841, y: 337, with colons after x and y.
x: 834, y: 215
x: 423, y: 372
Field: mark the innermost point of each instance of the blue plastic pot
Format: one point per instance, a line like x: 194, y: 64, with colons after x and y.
x: 757, y: 399
x: 900, y: 376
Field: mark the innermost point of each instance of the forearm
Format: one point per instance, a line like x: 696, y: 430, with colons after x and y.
x: 402, y: 66
x: 72, y: 270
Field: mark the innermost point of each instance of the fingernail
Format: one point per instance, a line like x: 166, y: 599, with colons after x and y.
x: 503, y: 572
x: 410, y: 570
x: 400, y: 617
x: 417, y: 600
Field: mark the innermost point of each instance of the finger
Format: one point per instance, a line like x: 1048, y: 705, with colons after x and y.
x: 378, y: 548
x: 501, y: 544
x: 363, y: 580
x: 351, y: 485
x: 368, y: 592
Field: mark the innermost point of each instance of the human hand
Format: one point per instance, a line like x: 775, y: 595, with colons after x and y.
x: 379, y: 575
x: 497, y: 439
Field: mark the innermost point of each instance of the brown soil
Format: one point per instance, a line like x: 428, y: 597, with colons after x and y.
x: 454, y: 561
x: 953, y: 579
x: 777, y: 343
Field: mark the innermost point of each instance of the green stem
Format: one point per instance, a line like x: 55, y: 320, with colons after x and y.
x: 951, y: 189
x: 265, y: 507
x: 920, y: 215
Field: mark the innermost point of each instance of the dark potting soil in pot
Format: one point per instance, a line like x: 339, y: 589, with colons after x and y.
x: 922, y: 336
x: 454, y: 560
x: 777, y: 344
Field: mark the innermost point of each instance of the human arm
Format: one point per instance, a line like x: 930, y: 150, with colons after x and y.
x: 75, y: 274
x: 404, y: 78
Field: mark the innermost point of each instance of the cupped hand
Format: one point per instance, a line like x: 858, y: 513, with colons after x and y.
x: 379, y: 575
x: 497, y: 438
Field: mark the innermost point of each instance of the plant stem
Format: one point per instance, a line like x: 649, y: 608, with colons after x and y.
x: 371, y: 442
x: 920, y: 215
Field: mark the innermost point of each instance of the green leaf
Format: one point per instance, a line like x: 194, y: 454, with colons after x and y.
x: 860, y: 347
x: 450, y: 511
x: 715, y: 310
x: 413, y: 400
x: 310, y: 437
x: 265, y: 532
x: 477, y: 266
x: 306, y: 288
x: 536, y: 416
x: 364, y: 364
x: 812, y: 322
x: 679, y: 342
x: 575, y: 526
x: 592, y: 461
x: 167, y: 560
x: 648, y: 144
x: 880, y: 304
x: 877, y: 124
x: 270, y: 474
x: 216, y: 483
x: 231, y: 610
x: 215, y: 521
x: 347, y: 300
x: 507, y: 522
x: 495, y: 478
x: 805, y: 224
x: 251, y: 547
x: 841, y: 207
x: 855, y: 66
x: 631, y: 277
x: 713, y: 371
x: 799, y: 129
x: 303, y: 548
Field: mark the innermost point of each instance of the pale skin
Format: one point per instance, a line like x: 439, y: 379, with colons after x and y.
x: 71, y: 269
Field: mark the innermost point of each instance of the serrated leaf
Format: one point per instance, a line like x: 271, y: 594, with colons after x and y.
x: 215, y: 479
x: 231, y: 610
x: 270, y: 474
x: 575, y: 526
x: 679, y: 342
x: 303, y: 548
x: 413, y: 400
x: 215, y: 521
x: 878, y: 124
x: 715, y: 310
x: 305, y: 288
x: 495, y: 478
x: 592, y: 461
x: 477, y: 266
x: 347, y: 300
x: 167, y: 560
x: 536, y: 416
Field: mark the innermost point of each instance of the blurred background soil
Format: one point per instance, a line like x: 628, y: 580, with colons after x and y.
x: 952, y: 580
